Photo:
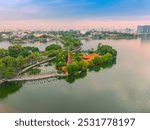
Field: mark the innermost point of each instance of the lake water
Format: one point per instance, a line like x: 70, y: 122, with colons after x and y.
x: 122, y: 87
x: 39, y: 45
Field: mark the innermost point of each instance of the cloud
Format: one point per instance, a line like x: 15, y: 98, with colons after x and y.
x: 75, y: 10
x: 55, y: 9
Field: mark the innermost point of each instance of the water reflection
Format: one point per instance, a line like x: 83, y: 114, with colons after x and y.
x: 145, y: 38
x: 8, y: 88
x: 72, y: 79
x: 41, y: 46
x: 123, y: 88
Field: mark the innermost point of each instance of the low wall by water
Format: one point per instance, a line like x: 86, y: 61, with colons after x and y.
x: 36, y: 77
x: 2, y: 81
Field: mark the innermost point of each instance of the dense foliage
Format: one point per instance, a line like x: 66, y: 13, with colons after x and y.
x: 107, y: 55
x: 76, y: 67
x: 16, y: 58
x: 34, y: 71
x: 104, y: 49
x: 3, y: 53
x: 53, y: 47
x: 111, y: 35
x: 70, y: 41
x: 61, y: 59
x: 16, y: 50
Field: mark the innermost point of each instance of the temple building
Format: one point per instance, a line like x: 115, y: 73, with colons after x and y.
x: 88, y: 58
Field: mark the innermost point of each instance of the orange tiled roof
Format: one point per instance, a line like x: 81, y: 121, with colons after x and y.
x: 90, y: 56
x: 87, y: 58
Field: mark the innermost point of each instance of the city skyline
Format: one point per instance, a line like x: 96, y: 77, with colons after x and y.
x: 79, y: 14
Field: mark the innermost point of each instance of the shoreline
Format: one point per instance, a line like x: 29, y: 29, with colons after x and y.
x: 34, y: 77
x: 2, y: 81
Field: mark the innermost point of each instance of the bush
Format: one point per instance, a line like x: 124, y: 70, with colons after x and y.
x: 52, y: 53
x: 73, y: 68
x: 53, y: 47
x: 77, y: 67
x: 71, y: 41
x: 103, y: 49
x: 82, y: 66
x: 8, y: 72
x: 34, y: 72
x: 108, y: 57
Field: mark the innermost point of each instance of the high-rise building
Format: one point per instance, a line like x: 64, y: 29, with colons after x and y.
x: 143, y: 29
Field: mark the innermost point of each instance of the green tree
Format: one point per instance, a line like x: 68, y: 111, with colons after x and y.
x: 2, y: 67
x: 53, y: 47
x: 7, y: 67
x: 26, y: 51
x: 3, y: 53
x: 91, y: 51
x: 108, y: 57
x: 8, y: 72
x: 77, y: 56
x: 9, y: 61
x: 52, y: 53
x: 96, y: 61
x: 33, y: 58
x: 82, y: 66
x: 103, y: 49
x: 70, y: 41
x: 61, y: 59
x: 73, y: 68
x: 60, y: 64
x: 20, y: 61
x: 14, y: 51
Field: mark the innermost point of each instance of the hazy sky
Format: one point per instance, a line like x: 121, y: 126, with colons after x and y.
x: 73, y: 13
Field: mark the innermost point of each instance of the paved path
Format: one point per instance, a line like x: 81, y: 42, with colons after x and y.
x: 36, y: 64
x: 36, y: 77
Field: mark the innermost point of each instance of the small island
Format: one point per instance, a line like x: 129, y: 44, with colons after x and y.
x: 68, y: 57
x: 81, y: 61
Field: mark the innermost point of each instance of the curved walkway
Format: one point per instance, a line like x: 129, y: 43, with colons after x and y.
x: 36, y: 64
x: 36, y: 77
x: 2, y: 81
x: 41, y: 62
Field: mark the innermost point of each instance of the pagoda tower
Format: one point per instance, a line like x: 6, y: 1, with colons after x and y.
x: 69, y: 57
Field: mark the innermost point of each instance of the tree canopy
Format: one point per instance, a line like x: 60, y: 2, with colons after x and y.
x: 16, y: 50
x: 53, y: 47
x: 70, y: 41
x: 103, y: 49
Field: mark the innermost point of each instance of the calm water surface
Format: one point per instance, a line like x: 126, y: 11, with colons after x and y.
x: 41, y: 46
x: 124, y: 87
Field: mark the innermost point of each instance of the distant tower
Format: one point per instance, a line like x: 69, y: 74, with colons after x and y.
x: 69, y: 57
